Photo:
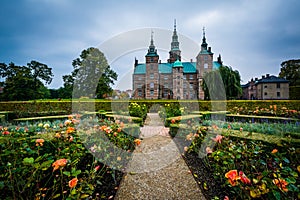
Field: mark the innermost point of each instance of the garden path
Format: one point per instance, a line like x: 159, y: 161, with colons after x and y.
x: 157, y: 170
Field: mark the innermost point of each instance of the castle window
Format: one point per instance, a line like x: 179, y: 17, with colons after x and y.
x: 191, y: 86
x: 184, y: 85
x: 278, y: 85
x: 191, y: 77
x: 151, y: 76
x: 205, y: 58
x: 140, y: 78
x: 139, y: 86
x: 278, y: 94
x: 184, y: 77
x: 178, y: 77
x: 166, y: 77
x: 205, y: 65
x: 266, y: 94
x: 266, y: 86
x: 151, y: 92
x: 151, y: 66
x: 151, y: 85
x: 151, y: 59
x: 166, y: 85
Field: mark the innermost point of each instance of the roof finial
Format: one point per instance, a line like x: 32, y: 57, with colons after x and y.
x: 152, y: 37
x: 203, y: 31
x: 175, y: 24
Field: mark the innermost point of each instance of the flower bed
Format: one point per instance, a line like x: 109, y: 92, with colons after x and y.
x: 240, y: 167
x: 51, y: 161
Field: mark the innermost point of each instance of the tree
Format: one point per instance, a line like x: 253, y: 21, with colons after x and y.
x: 230, y: 79
x: 91, y: 75
x: 290, y: 70
x: 23, y: 82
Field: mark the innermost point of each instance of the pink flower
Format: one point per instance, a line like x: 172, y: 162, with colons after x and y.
x: 241, y: 129
x: 218, y: 138
x: 97, y: 168
x: 208, y: 150
x: 244, y: 178
x: 226, y: 198
x: 229, y: 127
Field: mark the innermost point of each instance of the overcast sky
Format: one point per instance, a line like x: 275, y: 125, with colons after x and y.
x: 252, y: 36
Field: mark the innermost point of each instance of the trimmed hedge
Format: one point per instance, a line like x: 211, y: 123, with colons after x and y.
x: 53, y: 107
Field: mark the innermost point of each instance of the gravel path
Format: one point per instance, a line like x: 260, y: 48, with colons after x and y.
x: 157, y: 170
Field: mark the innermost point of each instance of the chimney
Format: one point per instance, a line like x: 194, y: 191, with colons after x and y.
x: 256, y: 79
x: 268, y: 75
x: 251, y: 79
x: 191, y: 59
x: 136, y: 62
x: 209, y: 49
x: 159, y: 61
x: 263, y: 76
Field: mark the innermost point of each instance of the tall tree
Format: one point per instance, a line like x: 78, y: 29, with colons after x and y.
x: 290, y: 70
x: 23, y: 82
x: 231, y: 82
x: 91, y: 75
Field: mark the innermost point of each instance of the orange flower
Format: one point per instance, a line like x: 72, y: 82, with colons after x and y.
x: 137, y: 142
x: 185, y: 148
x: 244, y: 178
x: 173, y: 121
x: 232, y: 176
x: 119, y: 130
x: 70, y: 130
x: 39, y: 142
x: 59, y: 163
x: 274, y: 151
x: 97, y: 168
x: 73, y: 182
x: 215, y: 127
x: 102, y: 128
x: 281, y: 184
x: 218, y: 138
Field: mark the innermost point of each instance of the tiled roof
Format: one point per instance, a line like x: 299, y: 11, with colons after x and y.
x: 272, y: 79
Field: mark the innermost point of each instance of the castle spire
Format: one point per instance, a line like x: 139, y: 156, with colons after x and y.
x: 204, y: 44
x: 152, y: 50
x: 175, y: 51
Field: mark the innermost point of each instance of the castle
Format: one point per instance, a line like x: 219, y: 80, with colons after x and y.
x: 173, y: 79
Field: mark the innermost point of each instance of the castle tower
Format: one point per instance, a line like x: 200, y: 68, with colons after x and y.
x: 152, y: 74
x: 177, y: 70
x: 175, y: 53
x: 204, y: 63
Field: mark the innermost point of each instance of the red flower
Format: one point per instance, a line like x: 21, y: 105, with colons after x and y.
x: 97, y: 168
x: 5, y: 132
x: 244, y: 178
x: 229, y: 127
x: 173, y: 121
x: 226, y: 198
x: 232, y: 176
x: 73, y: 182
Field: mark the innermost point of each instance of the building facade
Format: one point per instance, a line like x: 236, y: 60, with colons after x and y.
x: 173, y: 79
x: 268, y: 87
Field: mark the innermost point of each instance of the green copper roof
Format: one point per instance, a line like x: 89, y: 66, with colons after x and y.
x: 166, y: 68
x: 216, y: 65
x: 140, y: 69
x: 177, y: 63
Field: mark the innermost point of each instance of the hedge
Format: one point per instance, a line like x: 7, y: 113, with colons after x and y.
x: 51, y: 107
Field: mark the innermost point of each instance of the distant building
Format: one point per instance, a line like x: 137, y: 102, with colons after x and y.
x: 268, y: 87
x: 173, y: 79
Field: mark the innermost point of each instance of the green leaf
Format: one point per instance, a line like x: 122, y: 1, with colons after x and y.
x: 28, y: 161
x: 67, y: 173
x: 276, y: 194
x: 83, y: 196
x: 76, y: 173
x: 56, y: 196
x: 291, y: 180
x: 294, y: 174
x: 286, y: 160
